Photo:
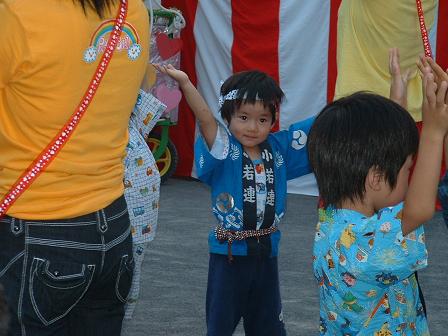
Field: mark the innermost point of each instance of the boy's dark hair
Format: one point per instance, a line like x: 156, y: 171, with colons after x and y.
x: 99, y: 6
x: 4, y: 314
x: 352, y: 135
x: 252, y: 86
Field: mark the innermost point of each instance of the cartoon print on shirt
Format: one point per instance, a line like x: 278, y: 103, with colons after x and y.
x: 347, y: 236
x: 348, y: 278
x: 350, y: 303
x: 347, y: 330
x: 322, y: 326
x: 372, y: 273
x: 371, y: 236
x: 384, y: 331
x: 319, y: 234
x: 129, y: 41
x: 386, y: 279
x: 329, y: 260
x: 400, y: 240
x: 324, y: 282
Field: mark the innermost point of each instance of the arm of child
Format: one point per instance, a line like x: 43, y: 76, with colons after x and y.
x: 206, y: 120
x: 427, y: 64
x: 439, y: 76
x: 421, y: 196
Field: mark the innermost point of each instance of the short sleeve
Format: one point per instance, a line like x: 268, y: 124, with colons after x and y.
x: 13, y: 45
x: 208, y: 160
x: 293, y: 143
x: 381, y: 252
x: 220, y: 147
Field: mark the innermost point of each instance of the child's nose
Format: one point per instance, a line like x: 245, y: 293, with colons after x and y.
x: 253, y: 126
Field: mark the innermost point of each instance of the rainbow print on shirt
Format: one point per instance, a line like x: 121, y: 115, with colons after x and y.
x: 129, y: 40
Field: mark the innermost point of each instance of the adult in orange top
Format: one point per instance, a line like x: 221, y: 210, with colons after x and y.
x: 66, y: 254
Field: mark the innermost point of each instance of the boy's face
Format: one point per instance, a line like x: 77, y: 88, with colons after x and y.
x: 250, y: 125
x: 396, y: 195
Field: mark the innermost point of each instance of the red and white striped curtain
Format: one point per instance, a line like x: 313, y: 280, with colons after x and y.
x: 294, y: 41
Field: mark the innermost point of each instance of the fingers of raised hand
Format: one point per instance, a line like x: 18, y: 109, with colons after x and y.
x: 429, y: 89
x: 441, y: 98
x: 407, y: 74
x: 158, y: 67
x: 423, y: 68
x: 164, y: 67
x: 420, y: 66
x: 438, y: 71
x: 423, y: 60
x: 394, y: 62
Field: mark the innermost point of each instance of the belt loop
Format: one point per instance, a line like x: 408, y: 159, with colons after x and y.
x: 16, y: 226
x: 101, y: 222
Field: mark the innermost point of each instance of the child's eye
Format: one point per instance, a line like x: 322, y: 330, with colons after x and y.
x: 243, y: 117
x: 263, y: 120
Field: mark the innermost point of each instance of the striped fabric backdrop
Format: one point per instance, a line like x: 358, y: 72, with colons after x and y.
x: 293, y: 41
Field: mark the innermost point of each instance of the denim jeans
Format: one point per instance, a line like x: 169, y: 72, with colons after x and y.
x: 67, y: 277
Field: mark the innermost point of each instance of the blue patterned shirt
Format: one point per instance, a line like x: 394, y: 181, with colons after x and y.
x: 365, y: 271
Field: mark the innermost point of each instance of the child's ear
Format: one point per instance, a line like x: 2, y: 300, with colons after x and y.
x: 374, y: 179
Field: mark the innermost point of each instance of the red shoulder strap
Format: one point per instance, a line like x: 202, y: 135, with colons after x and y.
x: 421, y: 19
x: 54, y: 147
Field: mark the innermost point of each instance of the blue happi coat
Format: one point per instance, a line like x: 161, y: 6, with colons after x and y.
x: 225, y: 179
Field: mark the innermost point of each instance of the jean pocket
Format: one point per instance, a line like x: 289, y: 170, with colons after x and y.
x: 124, y: 278
x: 56, y: 287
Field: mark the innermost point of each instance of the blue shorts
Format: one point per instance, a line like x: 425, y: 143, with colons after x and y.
x: 247, y: 288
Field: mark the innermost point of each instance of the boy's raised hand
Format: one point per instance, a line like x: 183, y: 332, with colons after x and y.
x: 421, y: 195
x: 434, y: 108
x: 178, y: 75
x: 399, y: 81
x: 427, y: 64
x: 204, y: 116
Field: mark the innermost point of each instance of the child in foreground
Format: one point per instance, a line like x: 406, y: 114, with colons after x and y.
x: 247, y: 168
x: 369, y: 239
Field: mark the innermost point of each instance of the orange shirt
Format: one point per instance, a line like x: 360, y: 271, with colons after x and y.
x: 44, y: 71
